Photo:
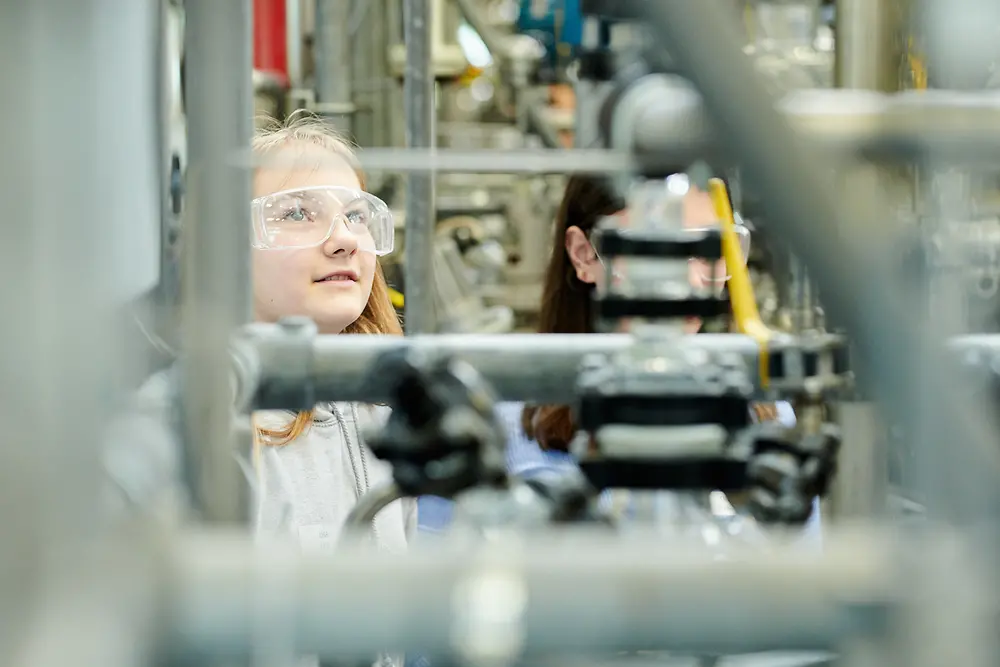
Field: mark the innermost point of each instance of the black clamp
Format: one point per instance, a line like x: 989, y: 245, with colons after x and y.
x: 443, y: 436
x: 660, y: 243
x: 822, y: 361
x: 787, y: 473
x: 613, y: 242
x: 611, y: 395
x: 598, y: 65
x: 570, y: 498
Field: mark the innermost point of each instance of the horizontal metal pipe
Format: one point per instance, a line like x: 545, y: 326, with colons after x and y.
x: 522, y: 161
x: 671, y: 120
x: 520, y: 367
x: 571, y: 592
x: 845, y: 123
x: 540, y: 368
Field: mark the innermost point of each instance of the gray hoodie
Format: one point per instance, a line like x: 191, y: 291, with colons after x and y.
x: 310, y: 485
x: 304, y: 490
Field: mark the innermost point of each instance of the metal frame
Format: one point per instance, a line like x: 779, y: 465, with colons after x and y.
x: 571, y: 592
x: 213, y: 595
x: 520, y: 367
x: 421, y: 201
x: 216, y: 286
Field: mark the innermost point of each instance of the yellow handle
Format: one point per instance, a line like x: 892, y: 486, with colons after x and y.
x: 397, y: 299
x: 918, y: 68
x: 741, y: 295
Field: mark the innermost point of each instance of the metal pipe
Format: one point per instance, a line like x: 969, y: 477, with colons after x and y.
x: 84, y: 245
x: 418, y: 90
x: 294, y: 43
x: 869, y: 40
x: 672, y: 128
x: 334, y: 84
x: 475, y: 16
x: 896, y: 345
x: 89, y: 250
x: 216, y: 282
x: 959, y: 41
x: 365, y: 20
x: 521, y: 367
x: 22, y: 494
x: 543, y: 596
x: 870, y: 52
x: 861, y: 488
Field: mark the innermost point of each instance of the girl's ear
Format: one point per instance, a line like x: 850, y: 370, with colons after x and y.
x: 581, y: 255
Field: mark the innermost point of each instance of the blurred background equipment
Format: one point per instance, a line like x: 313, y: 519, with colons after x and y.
x: 859, y: 140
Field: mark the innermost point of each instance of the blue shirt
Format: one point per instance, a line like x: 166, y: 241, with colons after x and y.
x: 526, y: 459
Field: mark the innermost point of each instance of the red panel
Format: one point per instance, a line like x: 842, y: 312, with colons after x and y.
x: 270, y: 52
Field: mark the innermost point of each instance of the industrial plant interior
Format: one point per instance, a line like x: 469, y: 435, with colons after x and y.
x: 555, y: 333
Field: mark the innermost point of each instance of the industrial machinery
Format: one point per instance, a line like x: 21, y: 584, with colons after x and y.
x: 82, y: 586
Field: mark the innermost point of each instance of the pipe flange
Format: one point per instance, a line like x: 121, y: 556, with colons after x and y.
x: 289, y: 353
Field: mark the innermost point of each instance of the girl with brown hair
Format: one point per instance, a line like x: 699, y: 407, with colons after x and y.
x: 540, y: 435
x: 575, y: 269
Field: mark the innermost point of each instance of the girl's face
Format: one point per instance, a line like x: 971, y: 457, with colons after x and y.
x: 330, y: 282
x: 698, y: 212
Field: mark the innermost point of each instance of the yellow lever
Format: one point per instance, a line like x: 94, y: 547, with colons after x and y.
x: 741, y: 295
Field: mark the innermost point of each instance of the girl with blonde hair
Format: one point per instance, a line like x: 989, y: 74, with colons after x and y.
x: 317, y: 239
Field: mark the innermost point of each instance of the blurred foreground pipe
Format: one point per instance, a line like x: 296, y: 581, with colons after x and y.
x: 217, y: 236
x: 573, y: 593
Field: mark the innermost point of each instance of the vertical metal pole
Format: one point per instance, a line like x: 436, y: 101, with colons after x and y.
x: 80, y: 244
x: 418, y: 90
x: 868, y: 57
x: 216, y: 283
x: 293, y: 41
x: 365, y: 19
x: 860, y: 488
x: 868, y: 54
x: 22, y: 491
x: 334, y: 90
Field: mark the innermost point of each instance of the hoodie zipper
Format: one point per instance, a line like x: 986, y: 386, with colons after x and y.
x: 361, y: 480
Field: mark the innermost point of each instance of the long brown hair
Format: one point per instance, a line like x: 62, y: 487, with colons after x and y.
x: 566, y: 304
x: 566, y: 300
x: 378, y: 317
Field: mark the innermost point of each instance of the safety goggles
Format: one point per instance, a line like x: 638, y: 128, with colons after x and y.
x: 716, y: 271
x: 307, y: 217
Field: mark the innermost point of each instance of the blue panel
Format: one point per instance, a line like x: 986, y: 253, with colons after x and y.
x: 557, y: 24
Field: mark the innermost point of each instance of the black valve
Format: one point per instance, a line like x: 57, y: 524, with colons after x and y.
x: 786, y: 473
x: 570, y: 498
x: 442, y: 437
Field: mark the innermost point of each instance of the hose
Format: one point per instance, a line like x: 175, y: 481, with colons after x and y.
x: 741, y: 296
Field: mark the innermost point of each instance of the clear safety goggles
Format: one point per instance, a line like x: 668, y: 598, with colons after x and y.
x: 307, y: 217
x: 716, y: 271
